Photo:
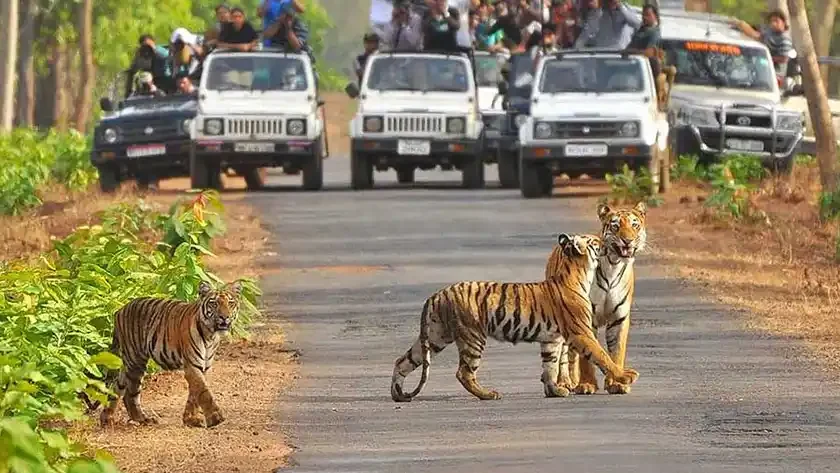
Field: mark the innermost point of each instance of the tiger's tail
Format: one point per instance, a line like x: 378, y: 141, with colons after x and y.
x: 109, y: 380
x: 396, y: 392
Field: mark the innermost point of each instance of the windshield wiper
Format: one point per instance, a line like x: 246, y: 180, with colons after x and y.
x: 448, y: 89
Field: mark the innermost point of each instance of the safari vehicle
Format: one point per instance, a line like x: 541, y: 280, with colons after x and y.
x: 258, y: 109
x: 592, y: 110
x: 515, y: 94
x: 417, y: 110
x: 726, y: 98
x: 488, y: 75
x: 144, y: 138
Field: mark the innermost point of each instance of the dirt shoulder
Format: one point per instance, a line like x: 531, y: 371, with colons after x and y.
x: 782, y: 269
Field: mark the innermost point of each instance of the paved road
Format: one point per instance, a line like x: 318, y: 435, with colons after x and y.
x: 356, y: 268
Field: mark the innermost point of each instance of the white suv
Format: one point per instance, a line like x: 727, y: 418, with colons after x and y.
x: 591, y: 111
x: 416, y: 110
x: 258, y: 109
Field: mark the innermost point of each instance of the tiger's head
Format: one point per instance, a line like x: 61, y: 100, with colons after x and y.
x: 219, y: 308
x: 623, y: 230
x: 581, y: 249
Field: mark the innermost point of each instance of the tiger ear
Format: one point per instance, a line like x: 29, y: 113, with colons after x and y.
x: 641, y: 208
x: 603, y: 210
x: 204, y: 288
x: 563, y: 239
x: 236, y: 288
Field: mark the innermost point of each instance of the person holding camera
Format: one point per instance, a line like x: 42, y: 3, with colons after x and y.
x: 440, y: 27
x: 145, y: 86
x: 149, y: 57
x: 238, y: 34
x: 404, y: 31
x: 289, y: 32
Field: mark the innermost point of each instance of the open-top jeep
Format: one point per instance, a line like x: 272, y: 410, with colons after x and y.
x: 144, y: 138
x: 258, y: 109
x: 591, y: 111
x: 416, y: 110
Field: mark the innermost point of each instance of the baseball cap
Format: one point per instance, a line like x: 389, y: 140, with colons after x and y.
x: 144, y: 77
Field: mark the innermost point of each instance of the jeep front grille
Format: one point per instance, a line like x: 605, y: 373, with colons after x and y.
x: 415, y: 124
x: 149, y: 131
x: 587, y: 129
x: 248, y: 127
x: 738, y: 118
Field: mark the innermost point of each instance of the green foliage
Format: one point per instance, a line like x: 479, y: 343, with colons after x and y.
x: 631, y: 187
x: 195, y: 221
x: 804, y: 159
x: 56, y: 320
x: 688, y: 167
x: 829, y: 205
x: 30, y: 159
x: 732, y: 181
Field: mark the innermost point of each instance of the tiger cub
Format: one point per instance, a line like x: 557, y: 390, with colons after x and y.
x: 552, y: 312
x: 624, y: 233
x: 177, y: 335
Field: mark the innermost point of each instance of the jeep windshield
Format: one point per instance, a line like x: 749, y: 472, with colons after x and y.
x: 488, y: 70
x: 418, y: 74
x: 602, y: 75
x: 720, y: 65
x: 169, y: 103
x: 252, y: 72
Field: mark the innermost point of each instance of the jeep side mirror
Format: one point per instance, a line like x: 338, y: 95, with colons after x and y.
x: 352, y: 90
x: 503, y: 87
x: 106, y: 105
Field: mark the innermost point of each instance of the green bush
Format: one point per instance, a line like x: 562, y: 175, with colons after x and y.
x: 688, y: 167
x: 631, y: 187
x: 30, y: 159
x: 56, y: 319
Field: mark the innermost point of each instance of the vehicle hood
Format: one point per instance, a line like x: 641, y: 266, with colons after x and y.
x: 711, y: 97
x: 164, y: 111
x: 256, y: 103
x: 485, y: 99
x: 417, y: 102
x: 580, y: 106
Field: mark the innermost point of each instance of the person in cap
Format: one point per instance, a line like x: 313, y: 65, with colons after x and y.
x: 149, y: 57
x: 371, y: 45
x: 145, y: 86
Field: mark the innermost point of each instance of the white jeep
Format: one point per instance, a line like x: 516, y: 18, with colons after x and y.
x: 591, y: 111
x: 258, y: 109
x: 416, y: 110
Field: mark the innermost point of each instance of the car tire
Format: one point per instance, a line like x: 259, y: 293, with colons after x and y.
x: 472, y: 174
x: 313, y: 170
x: 405, y: 174
x: 199, y: 173
x: 255, y: 178
x: 109, y: 180
x: 361, y: 171
x: 535, y: 180
x: 508, y: 173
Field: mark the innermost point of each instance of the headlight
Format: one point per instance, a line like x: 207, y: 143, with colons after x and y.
x: 455, y: 125
x: 520, y: 120
x: 296, y: 127
x: 542, y: 130
x: 789, y: 122
x: 185, y: 126
x: 110, y: 135
x: 213, y: 126
x: 629, y: 129
x: 373, y: 124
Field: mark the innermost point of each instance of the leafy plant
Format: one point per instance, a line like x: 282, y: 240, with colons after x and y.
x: 729, y: 196
x: 829, y: 205
x: 195, y: 221
x: 630, y: 186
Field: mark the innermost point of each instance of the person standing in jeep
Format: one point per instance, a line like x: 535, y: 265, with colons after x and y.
x: 238, y: 34
x: 440, y: 27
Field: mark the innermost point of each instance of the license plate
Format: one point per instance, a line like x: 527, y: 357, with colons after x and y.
x: 745, y: 145
x: 145, y: 150
x: 414, y: 147
x: 586, y: 150
x: 253, y: 147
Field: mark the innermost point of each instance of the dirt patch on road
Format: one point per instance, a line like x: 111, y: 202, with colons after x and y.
x: 782, y: 268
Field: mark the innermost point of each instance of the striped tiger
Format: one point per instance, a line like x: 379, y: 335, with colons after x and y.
x: 624, y: 233
x: 177, y: 335
x: 552, y: 312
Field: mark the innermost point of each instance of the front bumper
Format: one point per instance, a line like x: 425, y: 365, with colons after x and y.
x: 171, y: 158
x: 262, y: 153
x: 554, y: 155
x: 388, y: 149
x: 767, y: 144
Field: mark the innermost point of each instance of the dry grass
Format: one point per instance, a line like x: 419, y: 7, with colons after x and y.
x: 782, y: 270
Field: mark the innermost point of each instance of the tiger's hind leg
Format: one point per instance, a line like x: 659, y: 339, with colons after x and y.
x: 551, y: 353
x: 569, y: 372
x: 134, y: 384
x: 587, y: 384
x: 410, y: 361
x: 201, y: 394
x: 107, y: 414
x: 469, y: 360
x: 617, y: 333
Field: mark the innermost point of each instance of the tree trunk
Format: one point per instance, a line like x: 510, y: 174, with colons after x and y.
x: 60, y: 76
x: 10, y: 39
x: 84, y: 98
x: 823, y: 30
x: 816, y: 95
x: 25, y: 115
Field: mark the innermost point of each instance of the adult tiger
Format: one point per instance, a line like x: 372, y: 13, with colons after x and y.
x: 623, y: 232
x: 176, y: 335
x: 551, y: 312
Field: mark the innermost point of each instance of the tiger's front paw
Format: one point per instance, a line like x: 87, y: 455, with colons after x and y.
x: 628, y: 377
x: 586, y: 388
x: 617, y: 388
x: 566, y: 383
x: 214, y: 418
x: 193, y: 421
x: 553, y: 390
